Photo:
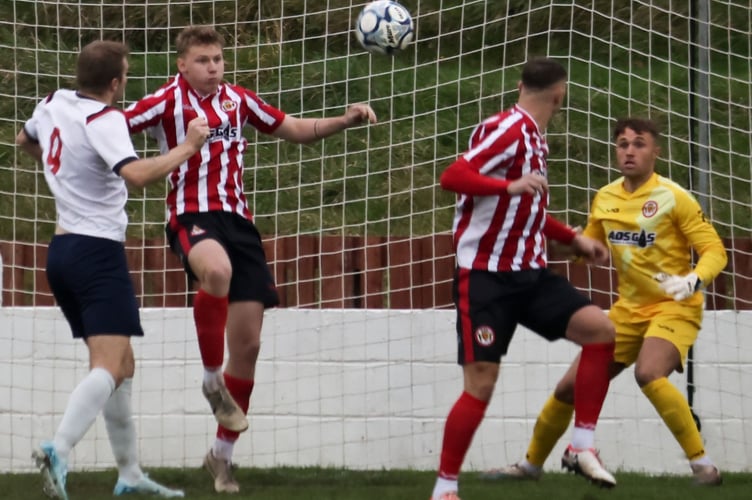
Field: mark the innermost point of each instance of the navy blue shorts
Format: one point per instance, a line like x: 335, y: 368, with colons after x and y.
x: 90, y: 281
x: 251, y: 277
x: 490, y: 305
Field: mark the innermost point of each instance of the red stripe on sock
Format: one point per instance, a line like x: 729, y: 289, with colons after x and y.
x: 240, y: 390
x: 210, y: 316
x: 591, y: 383
x: 461, y: 423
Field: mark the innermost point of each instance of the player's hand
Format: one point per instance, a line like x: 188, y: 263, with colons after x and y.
x: 591, y: 250
x: 198, y: 132
x: 359, y: 113
x: 528, y: 184
x: 679, y: 287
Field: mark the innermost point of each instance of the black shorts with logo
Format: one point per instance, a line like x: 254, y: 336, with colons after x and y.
x: 251, y: 277
x: 490, y: 305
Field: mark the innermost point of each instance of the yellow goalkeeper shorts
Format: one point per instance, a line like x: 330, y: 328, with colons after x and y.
x: 677, y: 322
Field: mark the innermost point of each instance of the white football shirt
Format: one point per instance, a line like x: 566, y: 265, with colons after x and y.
x: 84, y: 145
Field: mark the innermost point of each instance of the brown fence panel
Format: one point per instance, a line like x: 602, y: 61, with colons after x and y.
x: 346, y: 271
x: 336, y: 281
x: 303, y: 260
x: 435, y: 265
x: 166, y: 283
x: 274, y: 254
x: 399, y: 263
x: 24, y: 281
x: 369, y: 260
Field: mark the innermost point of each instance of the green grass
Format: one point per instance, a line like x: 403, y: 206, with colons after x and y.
x: 335, y: 484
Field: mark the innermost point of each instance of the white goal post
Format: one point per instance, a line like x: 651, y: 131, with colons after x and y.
x: 357, y: 366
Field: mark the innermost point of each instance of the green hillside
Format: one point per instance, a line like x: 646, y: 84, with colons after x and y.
x: 382, y: 179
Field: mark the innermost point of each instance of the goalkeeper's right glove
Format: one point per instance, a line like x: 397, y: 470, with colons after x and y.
x: 679, y: 287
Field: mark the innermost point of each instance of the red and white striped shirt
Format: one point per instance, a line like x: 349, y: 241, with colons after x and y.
x: 212, y: 179
x: 503, y: 233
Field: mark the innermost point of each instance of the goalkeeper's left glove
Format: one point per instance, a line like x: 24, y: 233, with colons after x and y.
x: 679, y: 287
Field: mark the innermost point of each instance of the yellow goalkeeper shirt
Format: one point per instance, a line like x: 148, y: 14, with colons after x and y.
x: 653, y: 230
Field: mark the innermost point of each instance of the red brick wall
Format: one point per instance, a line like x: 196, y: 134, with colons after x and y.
x: 345, y: 271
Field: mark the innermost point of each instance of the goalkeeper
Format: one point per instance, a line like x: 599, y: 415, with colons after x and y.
x: 650, y: 225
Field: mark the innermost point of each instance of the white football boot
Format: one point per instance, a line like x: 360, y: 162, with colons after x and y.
x: 588, y: 464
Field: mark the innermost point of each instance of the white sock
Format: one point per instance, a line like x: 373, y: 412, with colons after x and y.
x: 84, y: 404
x: 524, y: 464
x: 213, y: 378
x: 223, y: 449
x: 118, y: 418
x: 443, y: 486
x: 582, y: 438
x: 703, y: 460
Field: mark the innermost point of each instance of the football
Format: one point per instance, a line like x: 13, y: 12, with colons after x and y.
x: 384, y: 27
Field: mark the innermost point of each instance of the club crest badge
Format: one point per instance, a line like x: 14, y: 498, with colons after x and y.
x: 650, y: 208
x: 484, y: 335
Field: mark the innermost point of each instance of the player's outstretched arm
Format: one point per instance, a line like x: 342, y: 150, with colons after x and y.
x: 142, y: 172
x: 591, y: 250
x: 462, y: 178
x: 28, y: 145
x: 308, y: 130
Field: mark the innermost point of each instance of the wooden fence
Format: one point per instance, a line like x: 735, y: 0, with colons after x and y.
x: 345, y: 272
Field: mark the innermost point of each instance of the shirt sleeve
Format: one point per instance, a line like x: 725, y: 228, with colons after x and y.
x: 146, y: 114
x: 30, y: 127
x: 558, y: 231
x: 263, y: 116
x: 594, y: 228
x: 461, y: 177
x: 108, y: 135
x: 702, y: 236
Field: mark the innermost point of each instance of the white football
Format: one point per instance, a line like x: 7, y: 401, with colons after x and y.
x: 384, y: 27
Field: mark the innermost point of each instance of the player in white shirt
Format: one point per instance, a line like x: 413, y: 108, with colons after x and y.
x: 84, y: 144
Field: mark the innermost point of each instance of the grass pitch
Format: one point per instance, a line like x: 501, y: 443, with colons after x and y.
x: 336, y: 484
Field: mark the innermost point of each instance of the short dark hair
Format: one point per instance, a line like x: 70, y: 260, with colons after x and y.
x: 540, y: 73
x: 197, y: 35
x: 98, y: 64
x: 639, y: 125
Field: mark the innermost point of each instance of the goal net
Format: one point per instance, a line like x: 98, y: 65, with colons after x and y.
x: 357, y: 366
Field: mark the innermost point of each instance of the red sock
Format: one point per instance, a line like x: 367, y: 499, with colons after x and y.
x: 210, y: 316
x: 240, y: 390
x: 461, y: 424
x: 591, y: 384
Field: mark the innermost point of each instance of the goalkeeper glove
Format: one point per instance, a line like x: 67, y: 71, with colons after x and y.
x: 679, y: 287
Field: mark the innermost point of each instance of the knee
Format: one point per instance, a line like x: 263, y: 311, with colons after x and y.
x: 125, y: 370
x: 216, y: 277
x: 246, y: 348
x: 644, y: 375
x: 252, y: 349
x: 564, y: 392
x: 480, y: 380
x: 606, y: 333
x: 129, y: 367
x: 591, y: 326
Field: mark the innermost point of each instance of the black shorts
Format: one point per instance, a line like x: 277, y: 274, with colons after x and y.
x: 90, y: 281
x: 251, y: 277
x: 490, y: 305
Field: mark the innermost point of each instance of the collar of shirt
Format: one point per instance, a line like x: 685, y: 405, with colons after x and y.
x: 183, y: 83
